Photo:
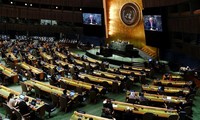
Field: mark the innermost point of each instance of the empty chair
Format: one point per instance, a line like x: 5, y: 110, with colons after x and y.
x: 115, y: 87
x: 9, y: 113
x: 55, y: 99
x: 20, y: 116
x: 79, y: 90
x: 64, y: 105
x: 63, y: 84
x: 25, y: 89
x: 92, y: 97
x: 188, y: 111
x: 37, y: 91
x: 102, y: 75
x: 86, y: 79
x: 169, y: 85
x: 49, y: 108
x: 148, y: 116
x: 129, y: 84
x: 105, y: 85
x: 173, y: 117
x: 159, y: 83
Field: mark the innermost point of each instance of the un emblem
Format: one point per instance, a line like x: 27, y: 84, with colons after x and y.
x: 130, y: 14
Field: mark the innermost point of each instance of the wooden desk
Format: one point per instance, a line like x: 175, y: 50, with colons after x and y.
x: 63, y: 63
x: 46, y: 56
x: 32, y: 69
x: 50, y: 89
x: 154, y: 88
x: 136, y: 68
x: 93, y: 60
x: 126, y: 72
x: 110, y: 75
x: 9, y: 73
x: 174, y: 83
x: 32, y: 58
x: 176, y: 77
x: 141, y: 109
x: 98, y: 79
x: 50, y: 67
x: 39, y: 107
x: 62, y: 56
x: 81, y: 84
x: 159, y: 98
x: 61, y: 70
x: 85, y: 116
x: 14, y: 59
x: 80, y: 62
x: 74, y: 55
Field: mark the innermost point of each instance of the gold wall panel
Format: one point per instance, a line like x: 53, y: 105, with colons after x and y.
x: 117, y: 29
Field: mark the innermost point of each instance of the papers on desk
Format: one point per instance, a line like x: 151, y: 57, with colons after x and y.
x: 169, y: 98
x: 114, y: 105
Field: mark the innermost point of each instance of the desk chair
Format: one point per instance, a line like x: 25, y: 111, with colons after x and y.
x: 55, y: 99
x: 9, y: 113
x: 105, y: 85
x: 37, y: 91
x: 173, y: 117
x: 87, y: 80
x: 24, y: 88
x: 92, y: 97
x: 63, y: 84
x: 188, y: 111
x: 148, y: 116
x: 64, y: 105
x: 169, y: 85
x: 49, y: 108
x: 129, y: 84
x: 20, y: 116
x: 115, y: 87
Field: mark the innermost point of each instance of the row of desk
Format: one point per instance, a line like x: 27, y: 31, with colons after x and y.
x: 136, y: 68
x: 83, y: 116
x: 173, y: 83
x: 81, y: 84
x: 111, y: 75
x: 50, y: 89
x: 172, y: 90
x: 9, y: 73
x: 142, y: 109
x: 33, y: 69
x: 39, y: 107
x: 98, y: 79
x: 158, y: 98
x: 126, y: 72
x: 13, y: 57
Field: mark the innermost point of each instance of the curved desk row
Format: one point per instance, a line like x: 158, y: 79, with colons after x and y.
x: 158, y: 98
x: 81, y: 84
x: 83, y: 116
x: 50, y: 89
x: 141, y: 109
x: 173, y: 83
x: 98, y: 79
x: 153, y: 88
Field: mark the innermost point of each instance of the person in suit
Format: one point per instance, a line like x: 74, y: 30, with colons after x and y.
x: 151, y: 24
x: 91, y: 20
